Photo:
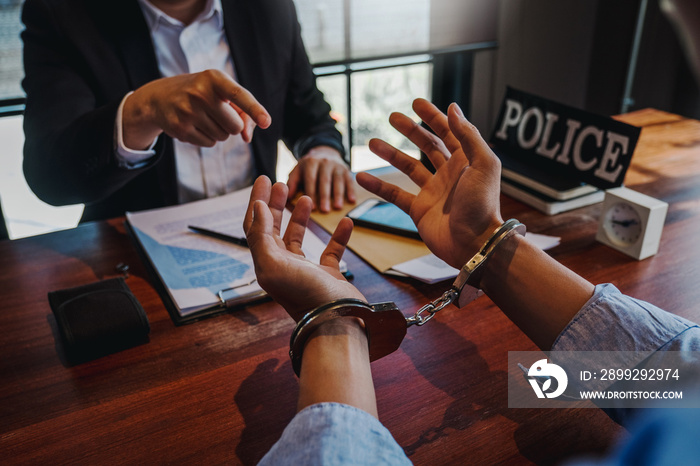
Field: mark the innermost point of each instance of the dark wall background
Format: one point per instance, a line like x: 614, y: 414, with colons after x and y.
x: 577, y: 52
x: 663, y: 79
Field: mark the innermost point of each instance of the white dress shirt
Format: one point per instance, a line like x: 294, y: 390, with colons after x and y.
x: 201, y: 171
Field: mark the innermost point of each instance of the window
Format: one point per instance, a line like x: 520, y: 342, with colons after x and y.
x: 363, y: 100
x: 10, y: 55
x: 373, y: 57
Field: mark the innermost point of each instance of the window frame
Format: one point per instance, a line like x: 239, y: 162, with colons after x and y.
x: 12, y: 107
x: 443, y: 61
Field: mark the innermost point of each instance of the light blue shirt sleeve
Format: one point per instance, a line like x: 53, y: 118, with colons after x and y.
x: 627, y: 331
x: 334, y: 433
x: 612, y: 321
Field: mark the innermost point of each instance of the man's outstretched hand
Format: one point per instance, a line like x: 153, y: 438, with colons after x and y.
x: 282, y: 270
x: 457, y: 208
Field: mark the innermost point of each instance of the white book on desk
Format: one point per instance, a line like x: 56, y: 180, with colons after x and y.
x: 546, y: 204
x: 555, y: 186
x: 572, y: 192
x: 198, y: 272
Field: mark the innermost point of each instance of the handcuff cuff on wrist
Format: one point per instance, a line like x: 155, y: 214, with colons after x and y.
x: 385, y: 325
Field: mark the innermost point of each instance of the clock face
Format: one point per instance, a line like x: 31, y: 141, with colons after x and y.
x: 622, y: 224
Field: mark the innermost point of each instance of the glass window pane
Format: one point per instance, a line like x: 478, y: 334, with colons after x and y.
x: 322, y: 28
x: 385, y: 27
x: 377, y: 93
x: 11, y: 71
x: 336, y: 30
x: 334, y: 89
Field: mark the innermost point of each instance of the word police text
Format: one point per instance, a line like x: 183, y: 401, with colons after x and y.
x: 588, y: 147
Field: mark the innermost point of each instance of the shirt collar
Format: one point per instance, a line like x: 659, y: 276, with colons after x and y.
x: 154, y: 16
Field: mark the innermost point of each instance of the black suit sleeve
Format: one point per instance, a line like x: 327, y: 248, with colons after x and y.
x: 307, y: 115
x: 69, y: 117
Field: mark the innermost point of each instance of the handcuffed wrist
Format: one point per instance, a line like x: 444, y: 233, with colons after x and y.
x: 472, y: 271
x: 384, y: 326
x: 339, y: 326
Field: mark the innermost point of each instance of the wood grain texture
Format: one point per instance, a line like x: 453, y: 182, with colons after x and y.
x: 221, y: 391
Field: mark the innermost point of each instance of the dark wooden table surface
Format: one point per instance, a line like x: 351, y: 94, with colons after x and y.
x: 221, y: 391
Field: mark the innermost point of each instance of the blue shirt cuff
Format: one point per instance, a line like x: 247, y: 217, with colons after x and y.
x: 334, y: 433
x: 611, y: 321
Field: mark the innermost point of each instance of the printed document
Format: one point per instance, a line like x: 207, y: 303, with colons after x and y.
x: 196, y: 269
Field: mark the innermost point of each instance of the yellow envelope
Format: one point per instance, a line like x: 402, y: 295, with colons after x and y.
x: 381, y: 250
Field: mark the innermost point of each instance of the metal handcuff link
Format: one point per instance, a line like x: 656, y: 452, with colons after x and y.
x: 384, y: 323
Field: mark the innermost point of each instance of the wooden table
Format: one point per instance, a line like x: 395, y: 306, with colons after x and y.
x: 222, y: 390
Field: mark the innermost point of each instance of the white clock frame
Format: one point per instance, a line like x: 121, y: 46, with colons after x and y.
x: 652, y: 214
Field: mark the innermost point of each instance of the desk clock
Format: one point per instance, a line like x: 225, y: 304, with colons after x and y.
x: 631, y: 222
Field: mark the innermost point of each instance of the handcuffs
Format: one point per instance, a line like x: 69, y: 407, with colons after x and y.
x: 385, y: 325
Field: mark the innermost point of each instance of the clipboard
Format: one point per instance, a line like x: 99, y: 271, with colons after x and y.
x: 178, y: 319
x: 199, y: 276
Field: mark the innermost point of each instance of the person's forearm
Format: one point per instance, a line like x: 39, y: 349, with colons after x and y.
x: 537, y: 293
x: 335, y: 367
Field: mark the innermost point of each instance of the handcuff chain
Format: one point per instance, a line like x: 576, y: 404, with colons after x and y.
x: 469, y: 274
x: 447, y: 298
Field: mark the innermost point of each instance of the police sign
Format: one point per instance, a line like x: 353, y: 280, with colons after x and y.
x: 563, y: 140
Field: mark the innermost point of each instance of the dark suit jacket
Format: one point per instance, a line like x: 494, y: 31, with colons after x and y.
x: 82, y: 56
